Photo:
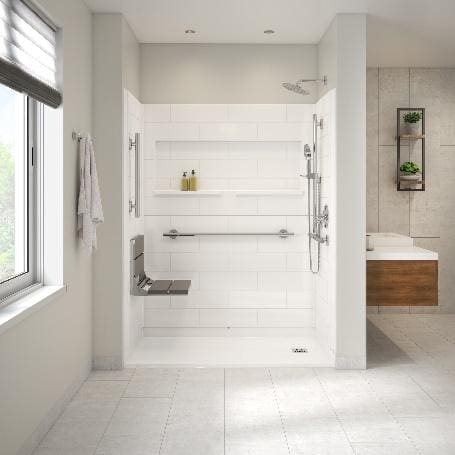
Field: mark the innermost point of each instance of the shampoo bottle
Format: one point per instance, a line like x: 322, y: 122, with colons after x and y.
x: 193, y: 181
x: 184, y: 183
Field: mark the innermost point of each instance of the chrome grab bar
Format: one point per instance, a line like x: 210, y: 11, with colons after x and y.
x: 136, y: 204
x: 173, y: 233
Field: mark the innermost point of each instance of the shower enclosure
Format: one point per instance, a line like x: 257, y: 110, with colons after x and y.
x: 253, y: 240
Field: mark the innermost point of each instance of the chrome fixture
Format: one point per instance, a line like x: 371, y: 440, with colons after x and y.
x: 136, y: 203
x: 173, y: 233
x: 297, y: 87
x: 317, y: 218
x: 269, y: 31
x: 76, y: 136
x: 190, y: 31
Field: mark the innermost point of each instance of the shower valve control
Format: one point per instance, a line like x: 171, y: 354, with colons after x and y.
x: 325, y: 216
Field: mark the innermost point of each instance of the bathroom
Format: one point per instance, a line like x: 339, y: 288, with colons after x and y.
x: 267, y: 265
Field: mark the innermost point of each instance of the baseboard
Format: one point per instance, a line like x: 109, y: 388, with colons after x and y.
x: 350, y: 363
x: 52, y: 415
x: 107, y: 362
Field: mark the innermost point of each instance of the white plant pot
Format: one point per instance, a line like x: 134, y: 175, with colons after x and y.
x: 412, y: 129
x: 410, y: 177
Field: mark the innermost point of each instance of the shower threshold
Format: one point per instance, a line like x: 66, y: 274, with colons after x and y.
x: 229, y: 352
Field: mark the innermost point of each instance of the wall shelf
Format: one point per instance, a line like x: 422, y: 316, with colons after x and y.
x: 178, y: 193
x: 215, y: 193
x: 404, y: 184
x: 412, y: 137
x: 272, y: 193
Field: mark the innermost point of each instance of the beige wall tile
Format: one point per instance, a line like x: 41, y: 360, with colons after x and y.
x: 447, y: 124
x: 393, y: 204
x: 393, y: 93
x: 372, y: 150
x: 425, y: 91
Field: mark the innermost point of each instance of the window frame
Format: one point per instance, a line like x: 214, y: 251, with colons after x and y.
x: 27, y: 281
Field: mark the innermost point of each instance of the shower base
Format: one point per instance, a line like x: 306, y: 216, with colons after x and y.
x: 229, y: 352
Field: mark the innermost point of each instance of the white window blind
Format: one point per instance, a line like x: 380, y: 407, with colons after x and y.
x: 28, y: 52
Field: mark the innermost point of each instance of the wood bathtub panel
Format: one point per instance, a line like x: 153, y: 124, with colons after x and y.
x: 402, y: 283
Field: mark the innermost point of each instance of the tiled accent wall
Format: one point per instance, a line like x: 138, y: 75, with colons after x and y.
x: 249, y: 283
x: 325, y: 308
x: 426, y: 216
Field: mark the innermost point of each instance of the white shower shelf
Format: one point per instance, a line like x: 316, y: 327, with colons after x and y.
x: 178, y: 193
x: 214, y: 193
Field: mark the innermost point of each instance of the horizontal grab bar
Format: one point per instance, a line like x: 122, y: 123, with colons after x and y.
x: 173, y: 233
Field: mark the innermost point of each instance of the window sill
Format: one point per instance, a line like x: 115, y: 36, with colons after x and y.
x: 25, y: 306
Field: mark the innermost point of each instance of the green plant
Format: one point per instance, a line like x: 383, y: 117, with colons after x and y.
x: 412, y: 117
x: 6, y: 212
x: 409, y: 168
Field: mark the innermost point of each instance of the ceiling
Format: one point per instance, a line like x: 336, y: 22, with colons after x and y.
x: 400, y: 32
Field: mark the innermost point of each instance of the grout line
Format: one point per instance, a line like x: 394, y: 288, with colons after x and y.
x: 163, y: 437
x: 377, y: 151
x: 397, y: 421
x: 333, y: 409
x: 283, y: 426
x: 115, y: 410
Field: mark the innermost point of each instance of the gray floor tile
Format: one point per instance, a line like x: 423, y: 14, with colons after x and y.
x: 403, y: 404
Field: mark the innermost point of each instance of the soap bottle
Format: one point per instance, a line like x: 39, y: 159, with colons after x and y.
x: 184, y: 183
x: 193, y: 181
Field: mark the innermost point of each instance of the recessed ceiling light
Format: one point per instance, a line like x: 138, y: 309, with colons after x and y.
x: 269, y: 31
x: 190, y: 31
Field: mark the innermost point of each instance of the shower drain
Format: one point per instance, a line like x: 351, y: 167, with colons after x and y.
x: 299, y: 350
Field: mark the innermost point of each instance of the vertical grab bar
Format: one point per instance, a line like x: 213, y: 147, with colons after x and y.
x: 137, y: 159
x: 137, y: 178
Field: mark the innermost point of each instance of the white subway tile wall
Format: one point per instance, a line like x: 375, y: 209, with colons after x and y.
x: 245, y: 281
x: 325, y: 308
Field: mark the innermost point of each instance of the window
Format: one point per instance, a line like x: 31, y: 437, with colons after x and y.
x: 19, y: 192
x: 28, y: 77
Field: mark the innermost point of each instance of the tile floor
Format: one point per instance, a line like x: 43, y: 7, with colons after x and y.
x: 403, y: 404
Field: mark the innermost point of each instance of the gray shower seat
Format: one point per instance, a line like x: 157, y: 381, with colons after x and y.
x: 167, y: 287
x: 142, y: 285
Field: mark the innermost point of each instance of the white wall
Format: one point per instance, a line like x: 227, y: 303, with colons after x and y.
x: 133, y: 306
x: 45, y: 357
x: 325, y: 295
x: 108, y: 138
x: 345, y: 43
x: 225, y: 73
x: 244, y: 285
x: 115, y: 67
x: 131, y: 60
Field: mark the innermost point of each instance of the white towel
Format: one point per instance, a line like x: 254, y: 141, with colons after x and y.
x: 90, y: 210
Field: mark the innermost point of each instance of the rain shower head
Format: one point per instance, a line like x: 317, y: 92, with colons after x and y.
x: 297, y: 87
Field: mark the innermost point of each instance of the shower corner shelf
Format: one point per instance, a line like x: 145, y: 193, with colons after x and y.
x: 405, y: 184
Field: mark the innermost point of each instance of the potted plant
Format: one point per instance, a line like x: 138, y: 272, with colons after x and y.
x: 412, y: 123
x: 410, y: 171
